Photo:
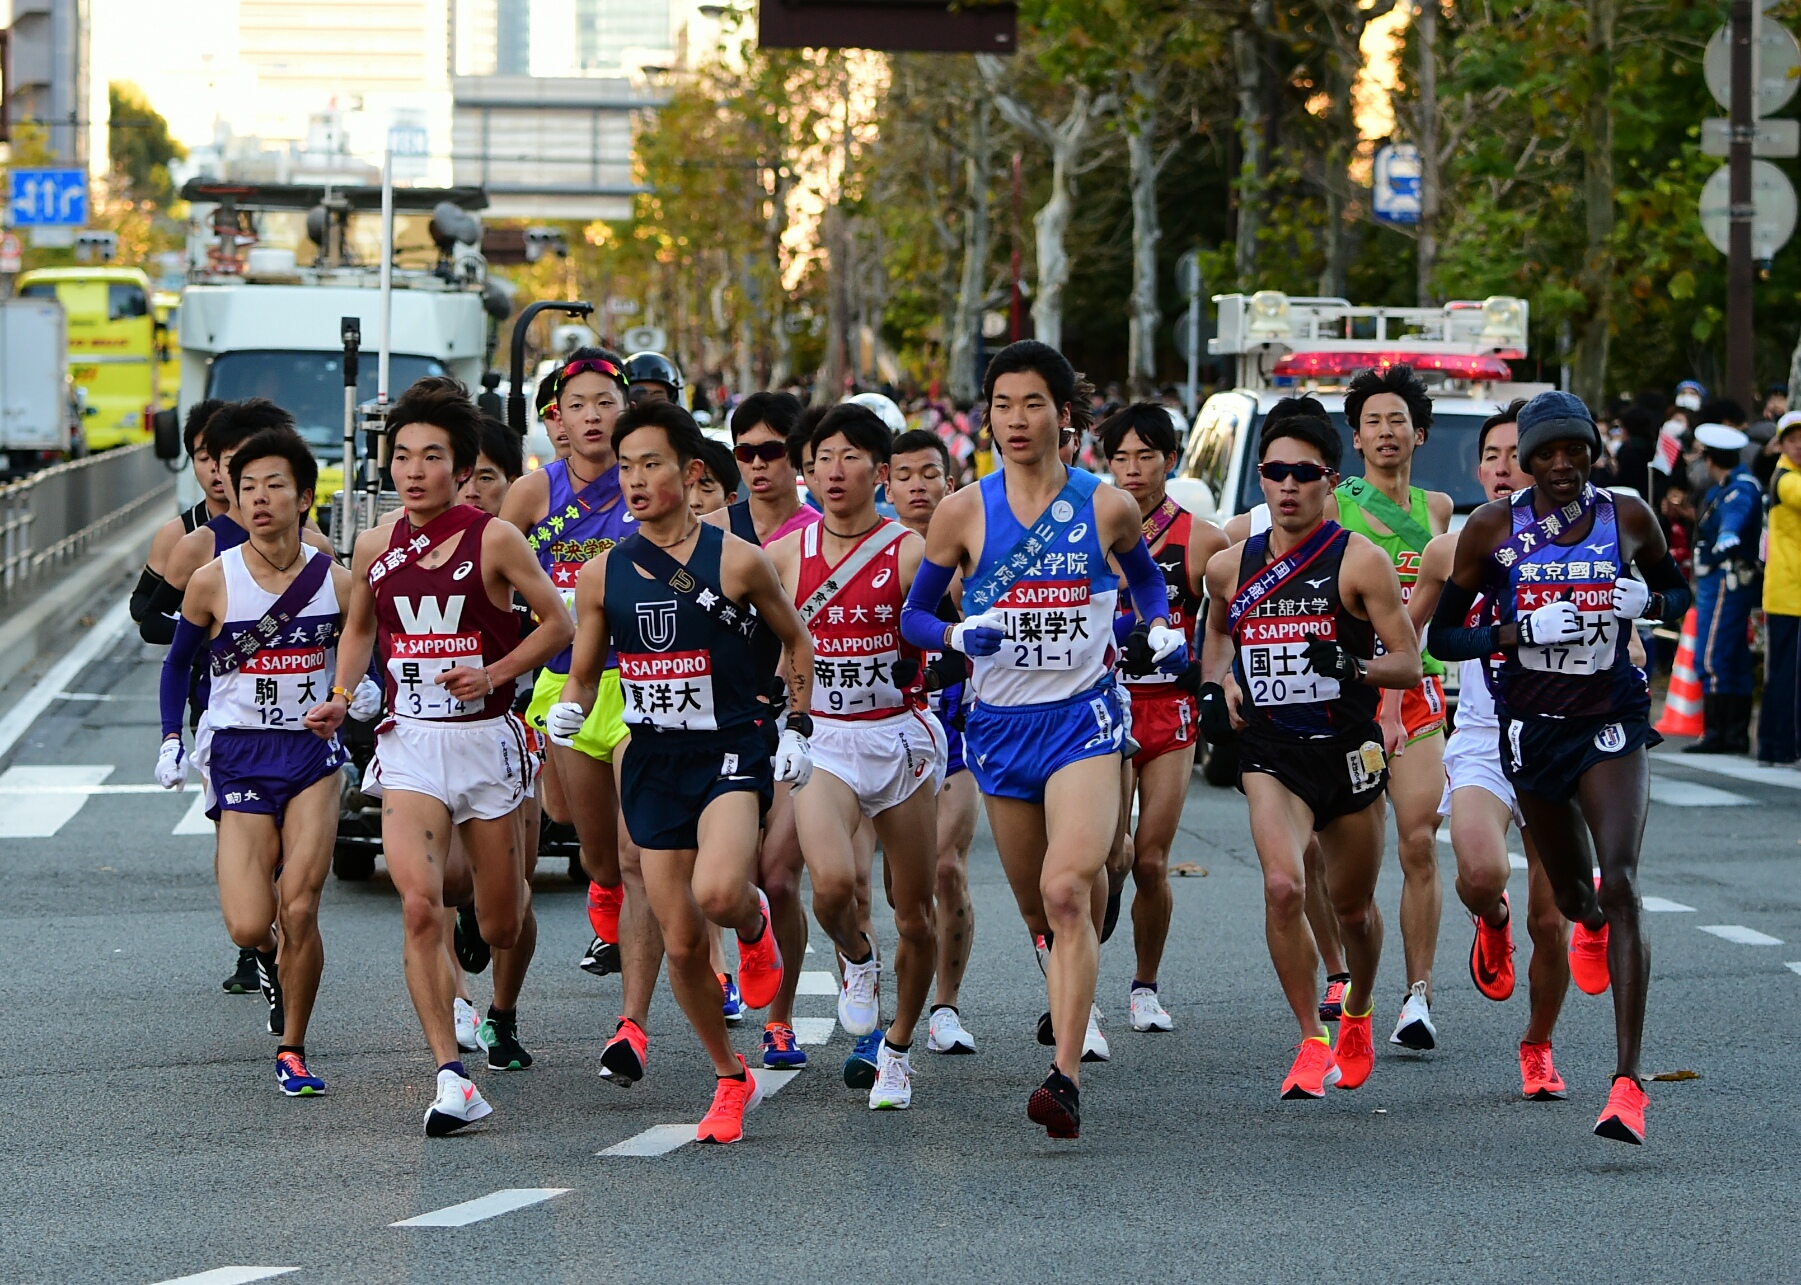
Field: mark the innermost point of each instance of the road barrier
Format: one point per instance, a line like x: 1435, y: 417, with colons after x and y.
x: 52, y: 516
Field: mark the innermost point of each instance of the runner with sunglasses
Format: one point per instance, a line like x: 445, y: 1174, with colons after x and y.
x: 1573, y: 708
x: 1295, y: 615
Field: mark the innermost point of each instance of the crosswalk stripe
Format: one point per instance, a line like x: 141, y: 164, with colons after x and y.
x: 1725, y: 765
x: 492, y: 1205
x: 194, y: 821
x: 1793, y: 966
x: 1663, y: 905
x: 42, y: 800
x: 1741, y: 935
x: 1689, y: 794
x: 820, y: 983
x: 814, y: 1030
x: 230, y: 1276
x: 661, y: 1139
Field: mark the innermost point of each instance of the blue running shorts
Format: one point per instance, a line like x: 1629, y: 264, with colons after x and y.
x: 1015, y: 749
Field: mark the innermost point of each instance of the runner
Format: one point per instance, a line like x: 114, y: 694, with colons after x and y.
x: 1390, y: 416
x: 1479, y: 800
x: 1295, y: 615
x: 876, y: 752
x: 1139, y: 444
x: 1045, y: 736
x: 1572, y: 707
x: 675, y: 602
x: 919, y: 477
x: 266, y: 613
x: 435, y: 590
x: 215, y: 499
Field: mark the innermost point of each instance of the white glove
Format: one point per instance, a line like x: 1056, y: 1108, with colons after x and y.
x: 1164, y: 642
x: 1630, y: 597
x: 980, y: 635
x: 1555, y: 622
x: 172, y: 764
x: 793, y: 759
x: 1727, y: 540
x: 365, y: 702
x: 563, y: 721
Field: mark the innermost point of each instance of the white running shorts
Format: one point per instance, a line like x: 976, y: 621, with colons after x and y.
x: 478, y: 770
x: 1473, y: 757
x: 882, y: 760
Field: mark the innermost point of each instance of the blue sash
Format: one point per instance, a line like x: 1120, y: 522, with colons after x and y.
x: 1022, y: 558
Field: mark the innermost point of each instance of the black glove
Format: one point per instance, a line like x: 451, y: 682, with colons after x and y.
x: 1216, y: 719
x: 1329, y: 660
x: 948, y: 668
x: 905, y: 671
x: 1189, y: 680
x: 1139, y: 660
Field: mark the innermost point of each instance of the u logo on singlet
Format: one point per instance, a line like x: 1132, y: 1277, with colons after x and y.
x: 656, y: 624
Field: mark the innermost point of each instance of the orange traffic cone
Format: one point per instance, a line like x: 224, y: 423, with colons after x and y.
x: 1682, y: 707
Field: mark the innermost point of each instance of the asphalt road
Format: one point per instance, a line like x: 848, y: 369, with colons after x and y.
x: 145, y: 1140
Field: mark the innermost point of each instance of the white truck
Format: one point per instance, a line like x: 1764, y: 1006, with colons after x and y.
x: 39, y: 421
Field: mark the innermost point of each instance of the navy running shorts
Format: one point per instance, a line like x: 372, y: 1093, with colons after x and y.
x: 667, y: 780
x: 1334, y: 777
x: 261, y: 772
x: 1015, y: 749
x: 1547, y: 757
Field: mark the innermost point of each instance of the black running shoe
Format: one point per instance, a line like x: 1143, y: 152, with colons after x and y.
x: 1046, y: 1036
x: 472, y: 952
x: 1110, y: 920
x: 243, y: 981
x: 601, y: 958
x: 1057, y: 1105
x: 500, y: 1037
x: 269, y: 982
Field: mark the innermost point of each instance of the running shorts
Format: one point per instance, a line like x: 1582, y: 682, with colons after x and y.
x: 479, y: 770
x: 953, y: 756
x: 1547, y: 757
x: 667, y: 779
x: 1423, y: 709
x: 1163, y: 722
x: 1470, y: 760
x: 537, y: 745
x: 604, y: 727
x: 262, y: 772
x: 1334, y: 777
x: 882, y: 760
x: 1015, y: 749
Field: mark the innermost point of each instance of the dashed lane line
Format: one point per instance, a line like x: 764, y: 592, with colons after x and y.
x: 817, y: 983
x: 1689, y: 794
x: 230, y: 1276
x: 1794, y: 966
x: 661, y: 1139
x: 45, y: 799
x: 1664, y: 906
x: 491, y: 1205
x: 194, y: 821
x: 1725, y: 765
x: 1741, y: 935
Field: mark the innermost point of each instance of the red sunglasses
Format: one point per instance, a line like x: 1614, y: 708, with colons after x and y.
x: 599, y: 365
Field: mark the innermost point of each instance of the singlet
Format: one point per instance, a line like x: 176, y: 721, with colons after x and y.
x: 680, y: 670
x: 227, y: 534
x: 429, y: 622
x: 1405, y: 557
x: 1587, y: 678
x: 1476, y: 678
x: 275, y: 688
x: 577, y: 540
x: 1184, y: 607
x: 1281, y: 695
x: 1059, y: 611
x: 765, y: 647
x: 856, y: 636
x: 193, y: 517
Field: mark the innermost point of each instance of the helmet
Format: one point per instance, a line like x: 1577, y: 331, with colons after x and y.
x: 884, y: 408
x: 653, y: 368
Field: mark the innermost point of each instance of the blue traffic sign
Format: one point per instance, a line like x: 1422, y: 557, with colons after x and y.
x: 1395, y: 194
x: 49, y: 198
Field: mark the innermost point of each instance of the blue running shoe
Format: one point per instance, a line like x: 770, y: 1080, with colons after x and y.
x: 294, y: 1079
x: 734, y: 1002
x: 860, y: 1067
x: 781, y: 1051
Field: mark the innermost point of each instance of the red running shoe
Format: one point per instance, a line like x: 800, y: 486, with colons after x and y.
x: 1314, y: 1070
x: 1331, y: 1008
x: 1356, y: 1052
x: 760, y: 963
x: 731, y: 1099
x: 1538, y: 1078
x: 1588, y: 959
x: 1624, y: 1118
x: 603, y: 910
x: 626, y: 1053
x: 1491, y: 956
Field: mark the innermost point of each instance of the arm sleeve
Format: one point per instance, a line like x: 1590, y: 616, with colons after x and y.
x: 1150, y: 591
x: 1670, y: 595
x: 920, y: 624
x: 157, y: 624
x: 178, y: 665
x: 1451, y: 638
x: 1123, y: 624
x: 148, y: 580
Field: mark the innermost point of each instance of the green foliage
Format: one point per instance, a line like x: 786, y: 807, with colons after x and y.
x: 138, y: 139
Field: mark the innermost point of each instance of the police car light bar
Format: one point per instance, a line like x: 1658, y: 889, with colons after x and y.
x: 1319, y: 365
x: 1270, y: 321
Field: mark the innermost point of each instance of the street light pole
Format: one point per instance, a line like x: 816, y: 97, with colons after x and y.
x: 1739, y: 270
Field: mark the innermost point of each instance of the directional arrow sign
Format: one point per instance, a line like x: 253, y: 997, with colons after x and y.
x: 49, y: 198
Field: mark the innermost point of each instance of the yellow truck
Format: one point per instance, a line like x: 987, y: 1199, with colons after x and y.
x: 167, y: 307
x: 113, y: 346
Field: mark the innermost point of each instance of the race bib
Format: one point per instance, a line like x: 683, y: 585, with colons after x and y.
x: 1274, y: 654
x: 1591, y: 653
x: 416, y: 664
x: 668, y: 689
x: 1046, y: 621
x: 855, y: 675
x: 277, y: 686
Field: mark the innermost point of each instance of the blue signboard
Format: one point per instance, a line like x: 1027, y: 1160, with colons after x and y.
x: 49, y: 198
x: 1395, y: 195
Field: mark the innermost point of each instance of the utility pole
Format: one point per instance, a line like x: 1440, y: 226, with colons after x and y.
x: 1015, y: 312
x: 1739, y: 268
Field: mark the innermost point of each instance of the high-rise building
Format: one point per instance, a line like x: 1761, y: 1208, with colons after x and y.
x: 47, y: 81
x: 512, y: 37
x: 605, y: 30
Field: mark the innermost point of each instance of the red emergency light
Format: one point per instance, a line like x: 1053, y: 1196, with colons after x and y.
x: 1313, y: 365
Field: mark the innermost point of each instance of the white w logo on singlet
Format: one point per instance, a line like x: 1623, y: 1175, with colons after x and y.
x: 429, y: 617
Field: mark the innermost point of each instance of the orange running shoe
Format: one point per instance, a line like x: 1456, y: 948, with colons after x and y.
x: 1491, y: 955
x: 622, y: 1060
x: 1314, y: 1070
x: 760, y: 963
x: 1588, y: 959
x: 1538, y: 1078
x: 731, y: 1099
x: 1331, y: 1008
x: 1624, y: 1118
x: 603, y: 910
x: 1356, y: 1052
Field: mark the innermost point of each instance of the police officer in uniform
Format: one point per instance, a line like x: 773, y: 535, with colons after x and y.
x: 1726, y: 589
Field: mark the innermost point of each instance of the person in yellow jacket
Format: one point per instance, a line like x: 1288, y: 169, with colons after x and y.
x: 1779, y: 729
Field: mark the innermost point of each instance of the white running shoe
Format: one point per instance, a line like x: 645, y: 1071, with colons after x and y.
x: 1414, y: 1029
x: 893, y: 1087
x: 945, y: 1034
x: 858, y: 1005
x: 459, y: 1103
x: 1094, y: 1044
x: 465, y: 1024
x: 1148, y: 1013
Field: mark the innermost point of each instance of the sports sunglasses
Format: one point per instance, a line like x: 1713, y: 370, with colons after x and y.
x: 1303, y: 471
x: 599, y: 365
x: 769, y: 452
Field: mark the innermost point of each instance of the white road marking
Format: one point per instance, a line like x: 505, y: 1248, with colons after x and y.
x: 18, y: 721
x: 490, y: 1206
x: 46, y: 798
x: 1794, y: 966
x: 1726, y: 765
x: 1664, y: 906
x: 820, y: 983
x: 194, y: 821
x: 814, y: 1030
x: 1688, y: 794
x: 1742, y: 935
x: 661, y: 1139
x: 134, y: 787
x: 230, y: 1276
x: 85, y: 696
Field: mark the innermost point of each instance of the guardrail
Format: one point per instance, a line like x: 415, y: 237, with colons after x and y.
x: 52, y: 516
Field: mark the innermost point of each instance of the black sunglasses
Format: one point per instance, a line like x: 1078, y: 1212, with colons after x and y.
x: 769, y: 452
x: 1303, y: 471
